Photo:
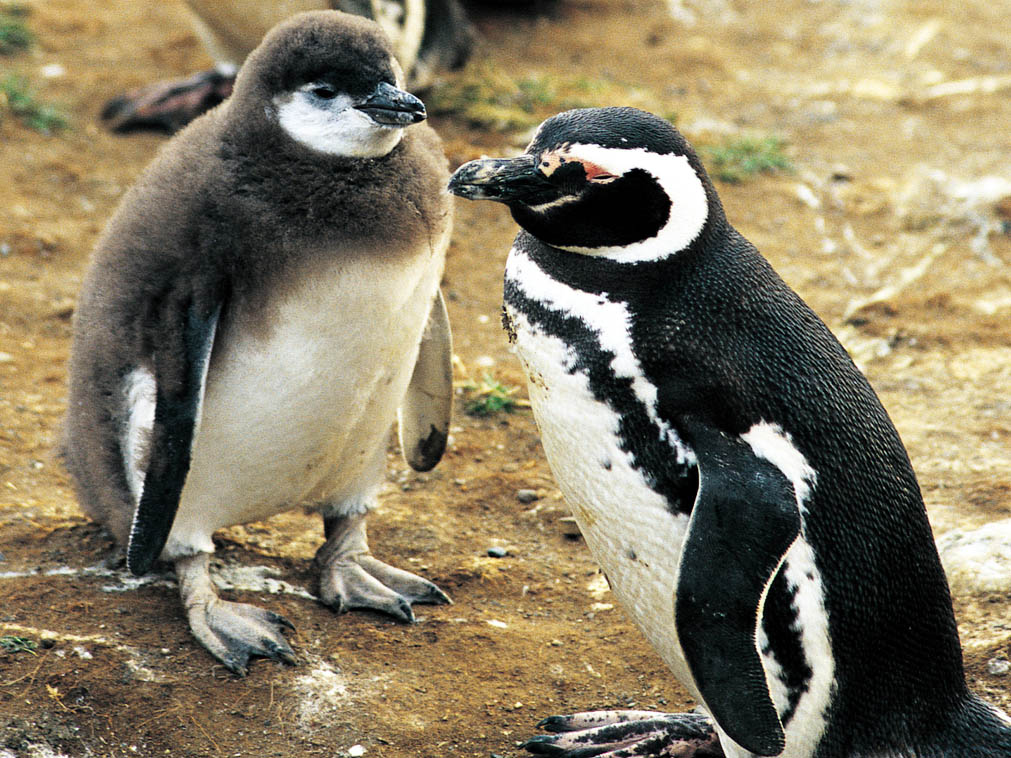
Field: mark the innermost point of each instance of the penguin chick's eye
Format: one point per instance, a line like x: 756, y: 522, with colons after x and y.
x: 324, y: 92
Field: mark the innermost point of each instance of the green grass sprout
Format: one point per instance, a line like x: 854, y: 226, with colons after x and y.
x: 490, y: 396
x: 744, y: 157
x: 11, y: 644
x: 15, y: 35
x: 17, y: 97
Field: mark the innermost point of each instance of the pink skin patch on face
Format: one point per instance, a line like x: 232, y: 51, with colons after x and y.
x: 594, y: 173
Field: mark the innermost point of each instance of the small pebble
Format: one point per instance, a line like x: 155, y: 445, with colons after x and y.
x: 998, y: 666
x: 497, y: 552
x: 526, y: 496
x: 356, y: 751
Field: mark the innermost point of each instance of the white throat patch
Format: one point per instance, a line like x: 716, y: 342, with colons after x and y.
x: 334, y: 126
x: 689, y: 204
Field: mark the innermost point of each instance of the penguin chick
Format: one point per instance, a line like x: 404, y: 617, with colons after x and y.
x: 261, y: 304
x: 731, y: 470
x: 427, y: 35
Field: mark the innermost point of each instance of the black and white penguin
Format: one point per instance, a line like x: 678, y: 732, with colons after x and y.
x: 732, y: 471
x: 260, y: 306
x: 426, y: 35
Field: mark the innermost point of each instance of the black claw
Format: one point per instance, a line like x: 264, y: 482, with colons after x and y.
x: 237, y: 664
x: 542, y: 744
x: 440, y: 597
x: 435, y: 596
x: 554, y: 724
x: 277, y: 618
x: 405, y: 612
x: 278, y: 651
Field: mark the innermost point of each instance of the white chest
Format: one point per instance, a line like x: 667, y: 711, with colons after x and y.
x: 628, y: 527
x: 303, y: 410
x: 637, y: 539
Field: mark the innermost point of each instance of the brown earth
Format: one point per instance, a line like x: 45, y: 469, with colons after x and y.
x: 909, y: 267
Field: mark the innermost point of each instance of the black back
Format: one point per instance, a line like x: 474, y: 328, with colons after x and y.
x: 729, y: 345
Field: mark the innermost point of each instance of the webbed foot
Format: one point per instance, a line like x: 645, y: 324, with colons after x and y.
x: 350, y: 577
x: 168, y: 105
x: 624, y: 734
x: 231, y: 632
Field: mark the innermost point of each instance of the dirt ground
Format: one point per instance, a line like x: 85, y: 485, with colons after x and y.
x: 895, y: 115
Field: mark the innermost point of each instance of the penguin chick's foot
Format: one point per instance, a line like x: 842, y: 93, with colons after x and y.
x: 232, y: 632
x: 169, y: 105
x: 351, y: 578
x: 623, y: 734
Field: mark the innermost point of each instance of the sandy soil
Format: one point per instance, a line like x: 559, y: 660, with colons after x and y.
x: 895, y: 113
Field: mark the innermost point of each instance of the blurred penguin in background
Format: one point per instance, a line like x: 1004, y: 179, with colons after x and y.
x: 427, y: 36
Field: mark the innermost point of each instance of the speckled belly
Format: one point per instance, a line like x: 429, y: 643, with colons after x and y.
x: 629, y: 528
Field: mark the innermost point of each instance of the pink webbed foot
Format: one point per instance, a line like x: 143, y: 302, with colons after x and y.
x: 168, y: 105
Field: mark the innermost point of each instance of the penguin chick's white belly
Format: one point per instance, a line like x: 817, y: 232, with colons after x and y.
x: 303, y: 412
x: 628, y: 527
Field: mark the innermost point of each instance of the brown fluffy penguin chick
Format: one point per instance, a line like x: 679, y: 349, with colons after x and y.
x: 260, y: 306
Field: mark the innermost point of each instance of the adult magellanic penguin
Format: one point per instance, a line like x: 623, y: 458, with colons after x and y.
x: 260, y: 306
x: 732, y: 471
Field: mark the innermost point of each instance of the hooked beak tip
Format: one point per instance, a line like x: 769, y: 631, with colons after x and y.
x: 498, y: 179
x: 390, y: 106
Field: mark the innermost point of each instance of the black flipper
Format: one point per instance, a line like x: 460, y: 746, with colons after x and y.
x: 744, y: 520
x: 177, y: 410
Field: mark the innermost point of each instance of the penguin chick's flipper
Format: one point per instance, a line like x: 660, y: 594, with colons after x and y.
x: 169, y: 105
x: 179, y: 393
x: 231, y: 632
x: 351, y: 578
x: 424, y: 414
x: 623, y: 734
x: 745, y: 518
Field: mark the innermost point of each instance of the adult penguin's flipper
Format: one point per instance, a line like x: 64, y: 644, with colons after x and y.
x: 745, y: 519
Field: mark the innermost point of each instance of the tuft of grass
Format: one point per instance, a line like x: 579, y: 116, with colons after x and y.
x: 489, y: 97
x: 742, y: 158
x: 14, y: 33
x: 11, y: 644
x: 17, y: 97
x: 490, y: 396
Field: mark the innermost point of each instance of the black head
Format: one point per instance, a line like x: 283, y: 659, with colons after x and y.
x: 329, y: 79
x: 613, y: 182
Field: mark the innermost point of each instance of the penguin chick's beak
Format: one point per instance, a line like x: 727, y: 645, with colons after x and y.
x: 390, y: 106
x: 505, y: 180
